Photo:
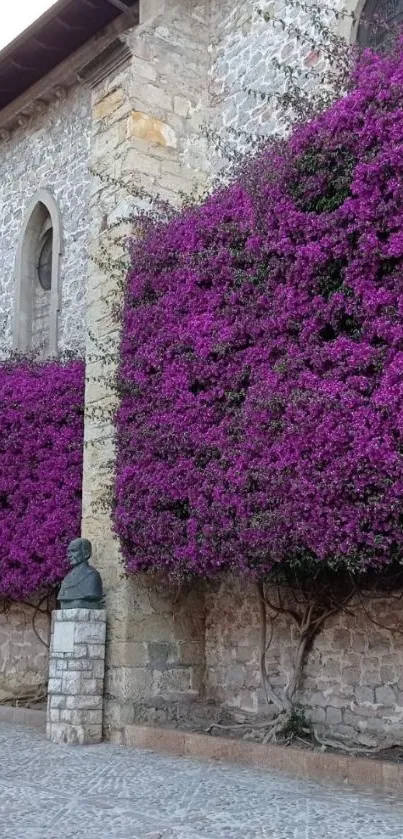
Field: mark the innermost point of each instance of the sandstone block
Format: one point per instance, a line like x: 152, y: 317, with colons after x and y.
x: 117, y: 713
x: 96, y: 651
x: 161, y: 654
x: 191, y: 653
x: 84, y: 701
x: 108, y: 104
x: 177, y: 680
x: 349, y: 718
x: 378, y: 643
x: 130, y: 654
x: 153, y: 97
x: 135, y: 161
x: 132, y: 683
x: 147, y: 127
x: 181, y: 106
x: 197, y: 678
x: 106, y: 143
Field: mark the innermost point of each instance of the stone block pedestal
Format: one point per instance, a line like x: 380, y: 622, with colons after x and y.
x: 76, y: 676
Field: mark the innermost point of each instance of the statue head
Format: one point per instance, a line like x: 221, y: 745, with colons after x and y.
x: 79, y: 551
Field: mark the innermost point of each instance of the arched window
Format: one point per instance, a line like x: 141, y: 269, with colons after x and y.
x: 38, y: 278
x: 378, y: 22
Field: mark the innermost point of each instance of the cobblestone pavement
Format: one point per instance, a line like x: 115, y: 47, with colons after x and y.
x: 108, y: 792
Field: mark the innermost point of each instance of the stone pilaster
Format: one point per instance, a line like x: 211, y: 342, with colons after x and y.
x: 147, y: 121
x: 76, y: 676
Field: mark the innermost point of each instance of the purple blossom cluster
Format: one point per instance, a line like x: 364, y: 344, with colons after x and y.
x: 261, y: 370
x: 41, y: 454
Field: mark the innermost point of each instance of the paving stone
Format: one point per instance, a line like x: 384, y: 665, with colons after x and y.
x: 111, y: 792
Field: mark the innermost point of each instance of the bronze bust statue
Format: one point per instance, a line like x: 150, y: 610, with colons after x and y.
x: 82, y: 587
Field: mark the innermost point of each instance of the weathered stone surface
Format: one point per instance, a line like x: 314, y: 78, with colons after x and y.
x: 54, y: 686
x: 149, y: 128
x: 193, y: 65
x: 90, y: 633
x: 76, y: 716
x: 364, y: 694
x: 74, y: 735
x: 23, y: 659
x: 342, y: 689
x: 333, y: 716
x: 144, y: 633
x: 75, y: 702
x: 108, y: 104
x: 51, y: 153
x: 56, y: 701
x: 385, y: 695
x: 81, y: 702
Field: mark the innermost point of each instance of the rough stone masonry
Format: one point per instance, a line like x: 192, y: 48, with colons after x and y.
x: 190, y: 64
x: 76, y: 676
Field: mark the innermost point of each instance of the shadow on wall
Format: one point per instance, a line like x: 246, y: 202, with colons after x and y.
x: 351, y: 684
x: 24, y: 639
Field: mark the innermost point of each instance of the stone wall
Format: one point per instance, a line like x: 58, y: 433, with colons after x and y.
x: 51, y: 152
x: 190, y: 65
x: 147, y: 120
x: 23, y: 658
x: 352, y: 682
x: 245, y: 51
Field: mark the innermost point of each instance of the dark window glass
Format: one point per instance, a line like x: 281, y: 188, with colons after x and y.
x: 379, y: 22
x: 45, y: 261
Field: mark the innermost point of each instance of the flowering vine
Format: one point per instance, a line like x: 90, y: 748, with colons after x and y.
x: 41, y: 453
x: 261, y: 371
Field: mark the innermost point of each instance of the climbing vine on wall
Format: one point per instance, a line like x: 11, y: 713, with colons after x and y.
x: 261, y: 360
x: 41, y: 452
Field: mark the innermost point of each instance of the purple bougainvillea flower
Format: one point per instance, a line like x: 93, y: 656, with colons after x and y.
x: 41, y: 456
x: 261, y: 370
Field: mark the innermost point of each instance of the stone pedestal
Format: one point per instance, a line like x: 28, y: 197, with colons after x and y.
x: 76, y: 676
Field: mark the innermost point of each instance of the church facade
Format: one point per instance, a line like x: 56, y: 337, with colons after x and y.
x: 111, y: 96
